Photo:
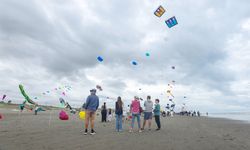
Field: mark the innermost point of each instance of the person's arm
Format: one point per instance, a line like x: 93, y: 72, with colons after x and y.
x: 97, y: 103
x: 87, y: 102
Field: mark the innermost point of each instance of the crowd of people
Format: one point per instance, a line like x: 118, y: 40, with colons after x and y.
x: 92, y: 104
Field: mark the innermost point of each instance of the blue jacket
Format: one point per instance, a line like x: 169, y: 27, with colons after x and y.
x: 92, y: 102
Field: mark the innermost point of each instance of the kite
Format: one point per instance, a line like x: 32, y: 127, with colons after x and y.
x: 147, y: 54
x: 99, y: 87
x: 171, y: 22
x: 27, y: 99
x: 63, y: 115
x: 184, y: 97
x: 82, y: 115
x: 173, y: 67
x: 35, y: 97
x: 100, y: 59
x: 63, y: 93
x: 4, y: 96
x: 159, y: 11
x: 37, y: 109
x: 62, y: 102
x: 134, y: 63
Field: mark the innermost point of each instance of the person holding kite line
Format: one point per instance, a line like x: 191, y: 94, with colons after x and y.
x: 92, y: 104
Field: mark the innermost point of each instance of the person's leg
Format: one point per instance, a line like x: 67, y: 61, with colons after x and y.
x: 92, y: 117
x: 120, y: 122
x: 139, y: 121
x: 117, y: 122
x: 149, y: 124
x: 133, y: 121
x: 86, y: 122
x: 157, y: 121
x: 102, y: 116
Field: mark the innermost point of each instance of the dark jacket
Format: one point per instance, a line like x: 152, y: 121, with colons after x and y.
x: 118, y: 110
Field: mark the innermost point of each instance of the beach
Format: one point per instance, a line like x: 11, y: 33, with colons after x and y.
x: 25, y: 131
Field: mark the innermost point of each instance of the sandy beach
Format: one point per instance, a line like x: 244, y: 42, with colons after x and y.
x: 25, y: 131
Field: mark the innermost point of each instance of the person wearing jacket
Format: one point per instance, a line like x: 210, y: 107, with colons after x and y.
x: 157, y: 113
x: 118, y: 114
x: 135, y: 110
x: 92, y: 104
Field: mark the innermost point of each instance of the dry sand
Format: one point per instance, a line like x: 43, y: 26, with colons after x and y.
x: 26, y: 131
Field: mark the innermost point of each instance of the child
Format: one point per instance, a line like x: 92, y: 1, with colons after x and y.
x: 118, y: 114
x: 157, y: 114
x: 110, y: 115
x: 135, y: 110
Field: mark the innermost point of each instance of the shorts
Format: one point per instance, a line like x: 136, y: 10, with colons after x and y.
x: 147, y: 115
x: 90, y: 114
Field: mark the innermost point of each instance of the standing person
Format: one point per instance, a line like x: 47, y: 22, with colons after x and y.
x: 104, y: 112
x: 148, y: 104
x: 135, y: 110
x: 118, y: 114
x: 157, y: 114
x: 110, y: 115
x: 92, y: 104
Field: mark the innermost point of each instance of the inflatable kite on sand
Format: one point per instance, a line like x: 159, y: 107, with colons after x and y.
x: 27, y: 99
x: 63, y: 115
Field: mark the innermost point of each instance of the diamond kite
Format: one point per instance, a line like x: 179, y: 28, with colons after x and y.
x: 100, y: 59
x: 159, y: 11
x: 171, y: 22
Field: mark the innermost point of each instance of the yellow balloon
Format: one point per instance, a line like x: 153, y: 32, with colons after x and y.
x: 82, y: 115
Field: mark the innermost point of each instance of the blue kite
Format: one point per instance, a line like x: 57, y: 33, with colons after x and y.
x: 171, y: 22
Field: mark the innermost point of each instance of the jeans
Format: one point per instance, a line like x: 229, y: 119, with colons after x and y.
x: 118, y: 122
x: 138, y: 120
x: 157, y: 120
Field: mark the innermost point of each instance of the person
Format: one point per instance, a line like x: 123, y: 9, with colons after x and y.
x: 92, y: 104
x: 104, y: 112
x: 198, y: 113
x: 110, y: 115
x: 118, y: 114
x: 135, y: 110
x: 157, y: 114
x: 148, y: 104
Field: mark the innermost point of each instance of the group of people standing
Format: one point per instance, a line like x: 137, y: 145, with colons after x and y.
x: 92, y: 104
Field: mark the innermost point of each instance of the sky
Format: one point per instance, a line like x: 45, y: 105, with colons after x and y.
x: 49, y: 44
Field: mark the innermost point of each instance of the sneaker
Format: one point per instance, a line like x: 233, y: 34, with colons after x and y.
x: 140, y: 131
x: 157, y: 129
x: 130, y: 130
x: 86, y: 132
x: 149, y: 129
x: 92, y: 132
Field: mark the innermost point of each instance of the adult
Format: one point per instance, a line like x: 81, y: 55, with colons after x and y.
x: 118, y: 114
x: 92, y: 104
x: 135, y: 110
x: 104, y: 112
x: 148, y: 104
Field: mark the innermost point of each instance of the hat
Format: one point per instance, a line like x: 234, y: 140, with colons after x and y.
x: 93, y: 90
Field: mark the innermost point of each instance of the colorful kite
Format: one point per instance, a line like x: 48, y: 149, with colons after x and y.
x: 27, y: 99
x: 62, y: 102
x: 100, y: 59
x: 159, y: 11
x: 147, y: 54
x: 171, y: 22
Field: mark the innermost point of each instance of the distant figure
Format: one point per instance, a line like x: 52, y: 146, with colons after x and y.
x: 135, y: 110
x: 92, y: 104
x: 148, y: 112
x: 194, y: 113
x: 198, y: 113
x: 118, y: 114
x: 157, y: 114
x: 104, y: 112
x: 207, y: 113
x: 110, y: 115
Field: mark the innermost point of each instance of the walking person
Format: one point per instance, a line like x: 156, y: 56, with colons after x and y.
x: 104, y: 112
x: 157, y: 114
x: 92, y: 104
x: 148, y: 104
x: 118, y: 114
x: 135, y: 110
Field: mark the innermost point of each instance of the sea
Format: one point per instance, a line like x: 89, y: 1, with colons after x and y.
x: 242, y: 116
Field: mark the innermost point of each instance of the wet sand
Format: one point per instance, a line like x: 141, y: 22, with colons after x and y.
x: 25, y: 131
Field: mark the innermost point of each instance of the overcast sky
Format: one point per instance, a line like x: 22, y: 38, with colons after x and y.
x: 51, y: 43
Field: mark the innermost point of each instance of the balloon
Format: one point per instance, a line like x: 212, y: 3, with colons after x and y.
x: 99, y: 58
x: 63, y: 115
x: 171, y: 22
x: 82, y: 115
x: 4, y: 96
x: 134, y: 63
x: 159, y: 11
